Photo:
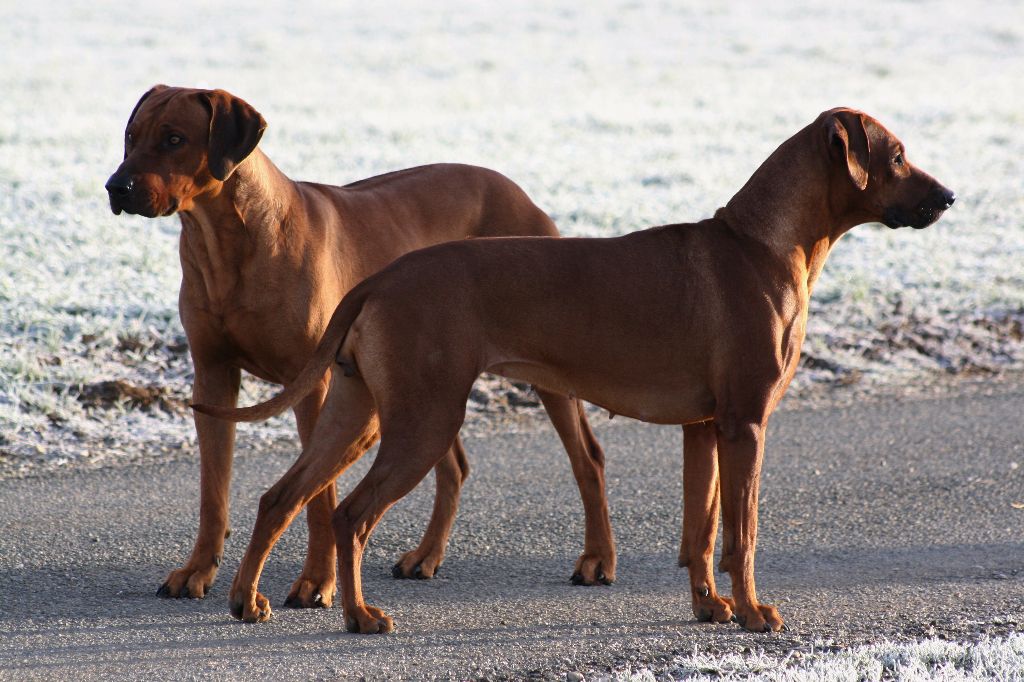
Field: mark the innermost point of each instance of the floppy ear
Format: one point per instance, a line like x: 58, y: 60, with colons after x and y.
x: 155, y: 88
x: 235, y: 130
x: 848, y: 140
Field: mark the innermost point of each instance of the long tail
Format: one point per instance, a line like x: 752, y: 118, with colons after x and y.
x: 334, y: 335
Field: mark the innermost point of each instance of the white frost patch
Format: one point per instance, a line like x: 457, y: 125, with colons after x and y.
x: 930, y: 660
x: 614, y: 115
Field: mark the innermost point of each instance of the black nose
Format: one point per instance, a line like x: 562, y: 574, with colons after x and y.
x: 119, y: 187
x: 940, y: 196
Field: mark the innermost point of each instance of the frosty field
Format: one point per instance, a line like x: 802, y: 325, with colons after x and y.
x: 615, y: 117
x: 931, y: 660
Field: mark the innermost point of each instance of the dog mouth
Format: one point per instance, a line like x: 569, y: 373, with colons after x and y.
x: 918, y: 218
x: 119, y: 207
x: 926, y: 212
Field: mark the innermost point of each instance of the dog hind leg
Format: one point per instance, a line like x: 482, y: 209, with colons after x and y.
x: 346, y: 428
x: 410, y: 446
x: 597, y: 563
x: 450, y: 473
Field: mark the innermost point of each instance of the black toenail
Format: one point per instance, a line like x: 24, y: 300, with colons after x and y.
x: 163, y: 591
x: 396, y: 572
x: 577, y: 578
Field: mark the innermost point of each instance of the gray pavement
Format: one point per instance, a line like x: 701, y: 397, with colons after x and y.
x: 891, y: 519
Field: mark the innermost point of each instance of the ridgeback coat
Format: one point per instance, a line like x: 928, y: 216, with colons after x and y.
x: 698, y: 324
x: 265, y: 261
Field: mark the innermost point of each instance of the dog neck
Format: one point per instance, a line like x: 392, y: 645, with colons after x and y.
x: 798, y: 224
x: 224, y: 230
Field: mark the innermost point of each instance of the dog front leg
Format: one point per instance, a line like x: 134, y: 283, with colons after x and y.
x: 740, y: 451
x: 700, y: 521
x: 316, y: 585
x: 215, y: 384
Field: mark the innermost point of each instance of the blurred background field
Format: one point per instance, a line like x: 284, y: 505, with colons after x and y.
x: 613, y: 115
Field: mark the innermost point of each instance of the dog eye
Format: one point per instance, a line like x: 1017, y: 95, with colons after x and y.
x: 898, y: 159
x: 128, y: 139
x: 174, y: 140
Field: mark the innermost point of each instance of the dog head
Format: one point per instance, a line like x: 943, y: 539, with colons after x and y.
x: 881, y: 183
x: 181, y: 143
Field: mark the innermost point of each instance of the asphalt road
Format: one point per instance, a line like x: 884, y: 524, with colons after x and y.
x: 889, y: 519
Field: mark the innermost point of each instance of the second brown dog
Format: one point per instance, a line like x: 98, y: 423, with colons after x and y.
x: 698, y: 324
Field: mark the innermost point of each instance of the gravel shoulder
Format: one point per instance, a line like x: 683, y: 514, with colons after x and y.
x: 892, y: 518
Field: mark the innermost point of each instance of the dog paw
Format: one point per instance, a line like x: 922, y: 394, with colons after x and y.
x: 311, y: 594
x: 417, y: 565
x: 759, y: 618
x: 369, y: 621
x: 712, y: 608
x: 593, y: 569
x: 190, y: 582
x: 254, y: 609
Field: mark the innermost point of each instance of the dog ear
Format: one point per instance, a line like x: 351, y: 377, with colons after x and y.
x: 848, y: 139
x: 235, y: 130
x: 154, y: 89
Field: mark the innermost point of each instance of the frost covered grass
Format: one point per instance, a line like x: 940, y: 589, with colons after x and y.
x: 930, y: 660
x: 614, y: 115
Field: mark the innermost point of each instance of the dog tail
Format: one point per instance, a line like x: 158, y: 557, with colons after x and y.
x: 310, y: 375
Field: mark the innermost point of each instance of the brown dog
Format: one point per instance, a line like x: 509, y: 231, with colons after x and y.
x: 265, y: 260
x: 699, y: 325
